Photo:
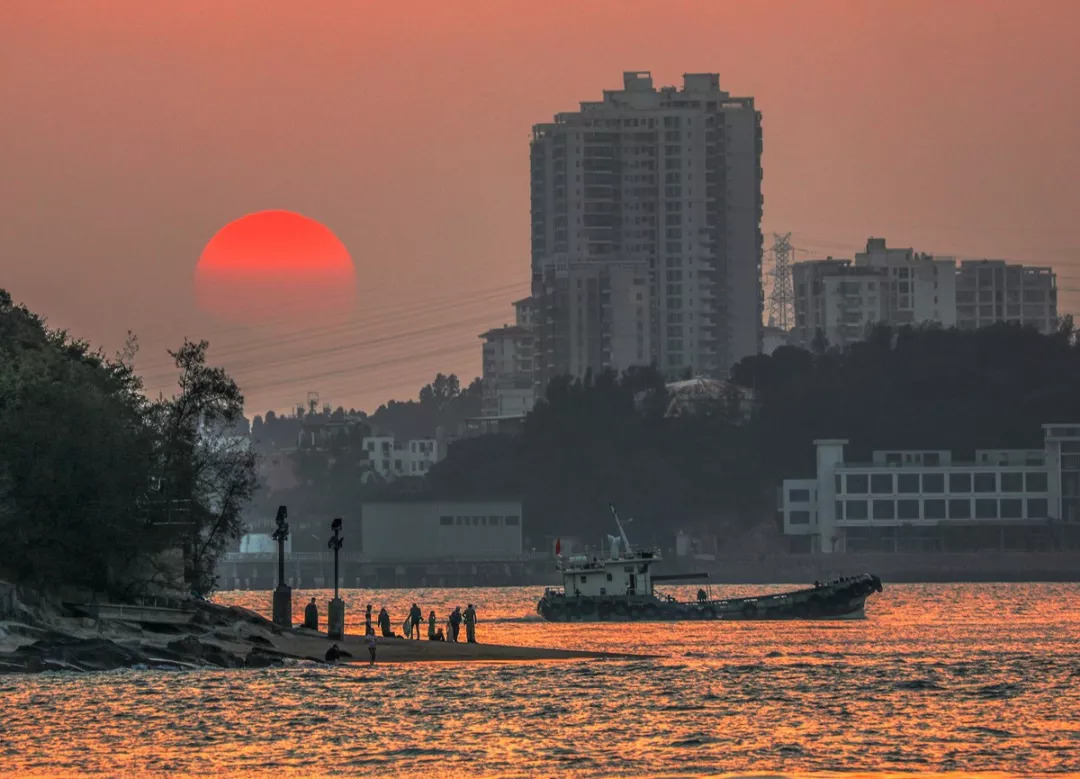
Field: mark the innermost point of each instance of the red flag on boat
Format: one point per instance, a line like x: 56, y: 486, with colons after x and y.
x: 558, y: 546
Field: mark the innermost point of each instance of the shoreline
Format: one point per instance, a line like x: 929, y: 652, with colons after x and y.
x: 45, y: 636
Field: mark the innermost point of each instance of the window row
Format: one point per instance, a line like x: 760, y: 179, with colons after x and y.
x: 489, y: 521
x: 936, y: 483
x: 940, y: 508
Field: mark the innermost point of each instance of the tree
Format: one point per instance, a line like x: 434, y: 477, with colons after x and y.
x: 75, y: 457
x: 207, y: 474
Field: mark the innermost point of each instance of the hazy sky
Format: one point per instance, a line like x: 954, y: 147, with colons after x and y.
x: 133, y: 130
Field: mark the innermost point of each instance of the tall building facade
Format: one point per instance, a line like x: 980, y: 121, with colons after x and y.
x: 646, y: 240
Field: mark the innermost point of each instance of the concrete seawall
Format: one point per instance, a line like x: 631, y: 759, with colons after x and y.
x: 316, y: 572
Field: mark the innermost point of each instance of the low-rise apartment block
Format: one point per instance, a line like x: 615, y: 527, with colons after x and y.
x: 927, y: 500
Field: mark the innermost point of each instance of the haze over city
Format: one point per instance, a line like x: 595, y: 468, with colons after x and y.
x: 139, y: 131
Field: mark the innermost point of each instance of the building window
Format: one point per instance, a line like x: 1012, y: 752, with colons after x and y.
x: 907, y: 509
x: 1036, y: 482
x: 460, y: 520
x: 933, y: 483
x: 511, y: 520
x: 881, y: 484
x: 931, y: 458
x: 609, y: 577
x: 1012, y: 508
x: 934, y: 509
x: 959, y: 482
x: 907, y: 483
x: 839, y: 484
x: 856, y: 509
x: 582, y: 579
x: 857, y: 483
x: 799, y: 496
x: 985, y: 482
x: 839, y: 509
x: 799, y: 517
x: 884, y: 509
x: 494, y: 520
x: 446, y: 520
x: 1012, y: 482
x: 1036, y: 508
x: 985, y: 508
x: 959, y: 508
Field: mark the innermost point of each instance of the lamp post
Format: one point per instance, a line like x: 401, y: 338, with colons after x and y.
x: 283, y: 592
x: 335, y: 613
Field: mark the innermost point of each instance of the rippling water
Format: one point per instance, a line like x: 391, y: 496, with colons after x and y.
x: 938, y: 678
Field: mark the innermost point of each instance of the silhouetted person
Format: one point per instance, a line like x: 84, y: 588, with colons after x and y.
x: 439, y: 636
x: 384, y: 623
x: 415, y: 618
x: 368, y: 629
x: 333, y: 654
x: 701, y: 595
x: 370, y: 639
x: 431, y: 626
x: 455, y: 623
x: 470, y: 624
x: 311, y: 616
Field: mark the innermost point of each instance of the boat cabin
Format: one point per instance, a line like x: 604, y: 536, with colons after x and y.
x: 592, y: 578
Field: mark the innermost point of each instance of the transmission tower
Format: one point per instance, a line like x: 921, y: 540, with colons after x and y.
x: 782, y: 296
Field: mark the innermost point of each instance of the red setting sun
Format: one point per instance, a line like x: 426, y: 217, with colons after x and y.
x: 271, y: 264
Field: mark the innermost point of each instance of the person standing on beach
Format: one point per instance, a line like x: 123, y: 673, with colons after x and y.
x: 384, y: 623
x: 370, y: 639
x: 368, y: 629
x: 415, y: 618
x: 455, y: 623
x: 311, y: 616
x: 431, y: 626
x: 470, y: 624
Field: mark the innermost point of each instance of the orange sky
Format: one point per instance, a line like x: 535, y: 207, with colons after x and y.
x: 134, y: 130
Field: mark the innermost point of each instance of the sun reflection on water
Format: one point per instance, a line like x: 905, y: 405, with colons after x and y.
x: 938, y: 678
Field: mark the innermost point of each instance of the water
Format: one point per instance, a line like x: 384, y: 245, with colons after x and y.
x: 939, y: 678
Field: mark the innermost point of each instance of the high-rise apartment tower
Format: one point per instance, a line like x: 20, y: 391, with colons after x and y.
x: 646, y: 239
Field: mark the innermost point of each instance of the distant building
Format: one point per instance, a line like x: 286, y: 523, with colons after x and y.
x: 508, y: 383
x: 924, y: 500
x: 646, y: 242
x: 837, y: 301
x: 989, y: 291
x: 920, y: 288
x: 433, y: 530
x: 392, y: 459
x: 841, y: 300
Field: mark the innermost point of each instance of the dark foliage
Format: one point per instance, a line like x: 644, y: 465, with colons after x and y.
x: 588, y: 443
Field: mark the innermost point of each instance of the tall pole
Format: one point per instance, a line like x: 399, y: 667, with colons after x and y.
x: 283, y: 593
x: 782, y: 296
x: 335, y: 613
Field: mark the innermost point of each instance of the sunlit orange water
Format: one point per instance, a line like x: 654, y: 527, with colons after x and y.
x: 938, y: 678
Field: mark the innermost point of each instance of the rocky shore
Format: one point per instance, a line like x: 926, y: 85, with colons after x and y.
x: 40, y: 634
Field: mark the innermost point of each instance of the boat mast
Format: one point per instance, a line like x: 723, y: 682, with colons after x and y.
x: 622, y: 533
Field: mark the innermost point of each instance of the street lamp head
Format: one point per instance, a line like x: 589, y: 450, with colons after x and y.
x: 336, y: 525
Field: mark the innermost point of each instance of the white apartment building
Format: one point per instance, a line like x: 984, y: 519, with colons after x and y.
x: 921, y: 288
x: 929, y: 497
x: 841, y: 300
x: 646, y: 242
x: 989, y: 291
x: 392, y: 459
x: 507, y: 381
x: 837, y: 300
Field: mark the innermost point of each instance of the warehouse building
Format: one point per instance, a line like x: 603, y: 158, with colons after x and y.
x: 441, y: 530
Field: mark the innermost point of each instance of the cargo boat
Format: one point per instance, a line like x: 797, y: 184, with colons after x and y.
x: 619, y: 588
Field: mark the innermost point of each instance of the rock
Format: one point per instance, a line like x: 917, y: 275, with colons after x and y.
x: 260, y: 658
x: 187, y: 647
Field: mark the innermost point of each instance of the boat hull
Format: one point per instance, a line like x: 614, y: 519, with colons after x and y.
x: 844, y: 599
